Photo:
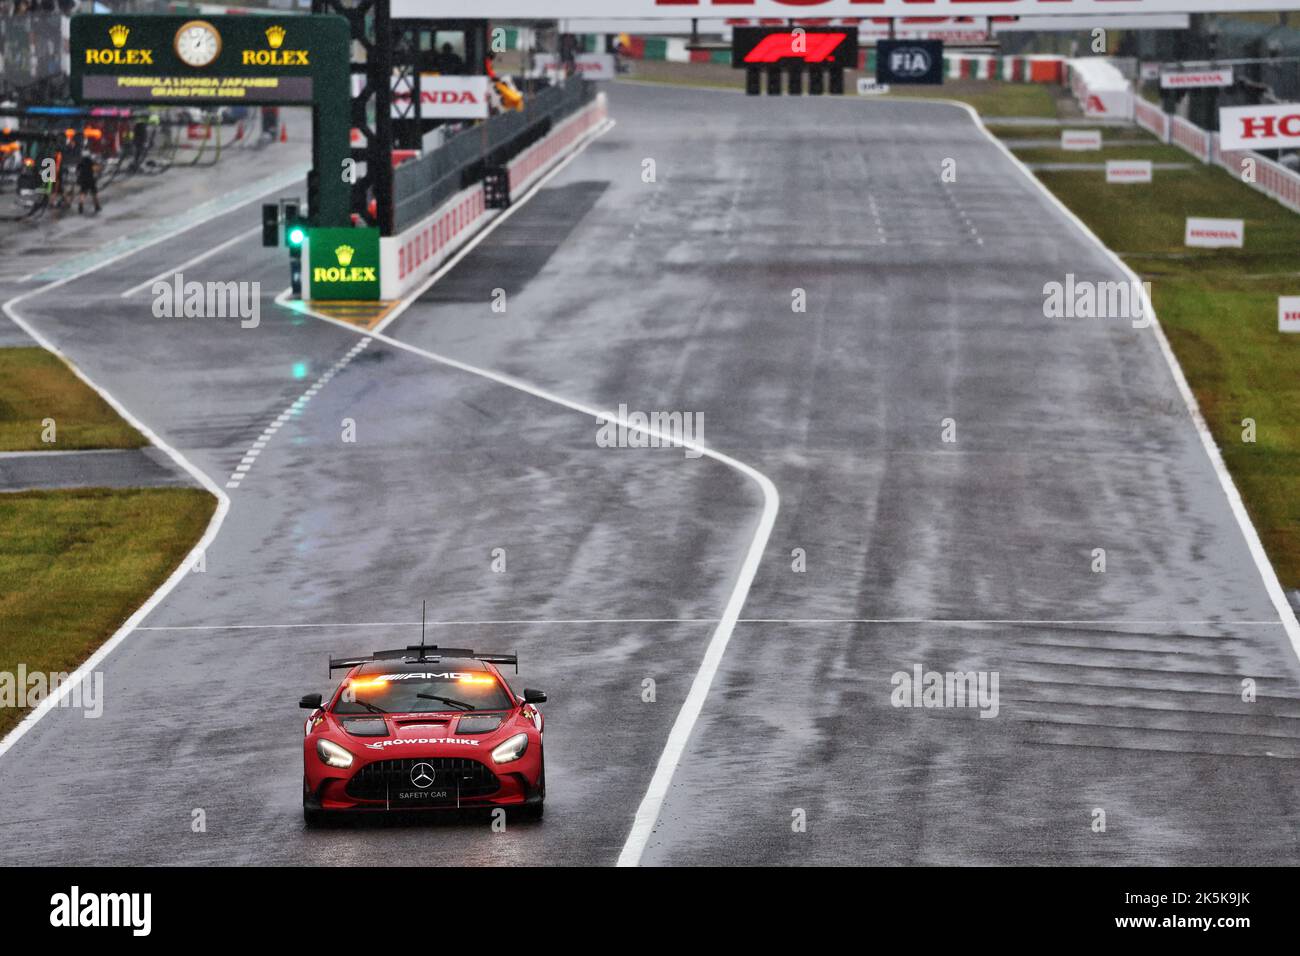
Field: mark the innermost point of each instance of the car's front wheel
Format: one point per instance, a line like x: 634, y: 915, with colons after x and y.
x: 315, y: 819
x: 533, y: 811
x: 529, y: 812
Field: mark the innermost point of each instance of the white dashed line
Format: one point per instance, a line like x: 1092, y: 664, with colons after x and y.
x: 250, y: 457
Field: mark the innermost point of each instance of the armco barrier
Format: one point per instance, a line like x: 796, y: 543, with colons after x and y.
x: 407, y: 259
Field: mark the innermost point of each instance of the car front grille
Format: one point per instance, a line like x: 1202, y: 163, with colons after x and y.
x: 385, y: 778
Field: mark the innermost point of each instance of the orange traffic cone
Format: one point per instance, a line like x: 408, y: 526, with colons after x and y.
x: 284, y: 133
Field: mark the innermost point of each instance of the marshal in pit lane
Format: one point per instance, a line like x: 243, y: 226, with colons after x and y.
x: 423, y: 728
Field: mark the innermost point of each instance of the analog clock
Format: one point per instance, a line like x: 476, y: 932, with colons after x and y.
x: 197, y: 43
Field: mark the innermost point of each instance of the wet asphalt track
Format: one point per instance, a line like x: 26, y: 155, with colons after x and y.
x: 924, y: 303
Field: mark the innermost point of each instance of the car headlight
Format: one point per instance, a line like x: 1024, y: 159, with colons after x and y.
x: 332, y: 754
x: 512, y: 749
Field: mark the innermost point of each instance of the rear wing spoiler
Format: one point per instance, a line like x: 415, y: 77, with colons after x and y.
x: 417, y: 653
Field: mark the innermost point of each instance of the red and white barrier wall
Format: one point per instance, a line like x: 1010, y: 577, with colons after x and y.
x: 1272, y: 179
x: 1190, y: 137
x: 1151, y: 118
x: 529, y: 165
x: 1036, y: 68
x: 412, y: 255
x: 407, y: 259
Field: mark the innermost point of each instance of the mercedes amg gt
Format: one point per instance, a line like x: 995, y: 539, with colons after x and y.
x: 423, y: 728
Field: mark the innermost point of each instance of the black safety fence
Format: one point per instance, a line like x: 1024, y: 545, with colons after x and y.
x: 421, y: 185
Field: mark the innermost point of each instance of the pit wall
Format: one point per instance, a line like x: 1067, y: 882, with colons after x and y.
x: 407, y: 259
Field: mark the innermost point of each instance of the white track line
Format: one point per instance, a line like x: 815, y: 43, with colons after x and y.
x: 1286, y: 614
x: 223, y: 502
x: 648, y: 811
x: 190, y: 262
x: 181, y: 570
x: 1266, y: 572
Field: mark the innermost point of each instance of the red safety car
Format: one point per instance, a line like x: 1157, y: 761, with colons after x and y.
x: 423, y: 728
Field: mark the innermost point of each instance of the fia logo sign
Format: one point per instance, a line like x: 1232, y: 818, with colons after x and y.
x: 910, y: 61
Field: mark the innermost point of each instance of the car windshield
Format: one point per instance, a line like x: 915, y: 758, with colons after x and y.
x: 422, y: 693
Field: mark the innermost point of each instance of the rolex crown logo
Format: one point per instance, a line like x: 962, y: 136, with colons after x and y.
x: 118, y: 34
x: 344, y: 254
x: 275, y: 37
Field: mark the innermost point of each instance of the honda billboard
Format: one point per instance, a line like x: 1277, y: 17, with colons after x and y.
x: 1276, y: 126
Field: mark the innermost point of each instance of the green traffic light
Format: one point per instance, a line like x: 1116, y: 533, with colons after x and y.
x: 296, y: 236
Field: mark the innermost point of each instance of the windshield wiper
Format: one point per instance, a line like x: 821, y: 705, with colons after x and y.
x: 446, y: 700
x: 369, y: 706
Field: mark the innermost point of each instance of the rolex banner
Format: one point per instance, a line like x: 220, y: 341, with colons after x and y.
x: 203, y: 59
x: 342, y: 264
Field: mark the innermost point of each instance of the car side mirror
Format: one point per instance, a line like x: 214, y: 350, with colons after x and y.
x: 534, y: 696
x: 310, y: 701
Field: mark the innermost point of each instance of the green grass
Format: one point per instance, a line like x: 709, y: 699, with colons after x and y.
x: 1046, y: 131
x: 989, y: 97
x: 1219, y: 310
x: 1154, y: 151
x: 75, y: 564
x: 34, y: 386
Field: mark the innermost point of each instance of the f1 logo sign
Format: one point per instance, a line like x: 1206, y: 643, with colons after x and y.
x: 799, y: 45
x: 773, y: 46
